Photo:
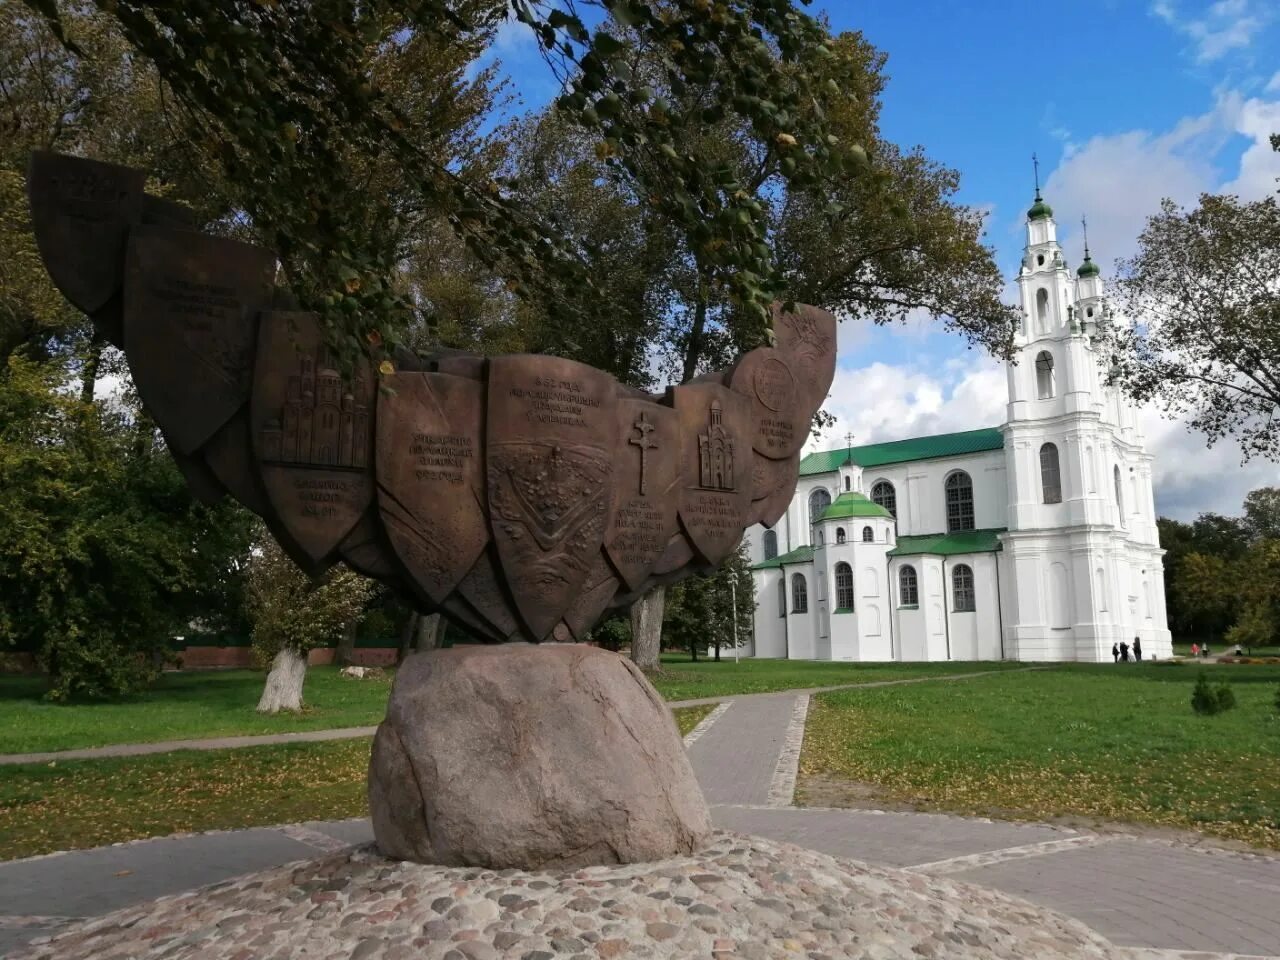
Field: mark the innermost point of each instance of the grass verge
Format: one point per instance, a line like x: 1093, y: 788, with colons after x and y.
x: 1097, y: 742
x: 684, y: 679
x: 87, y: 803
x: 195, y: 705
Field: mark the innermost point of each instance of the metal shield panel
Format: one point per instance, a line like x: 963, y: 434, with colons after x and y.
x: 780, y: 416
x: 366, y: 551
x: 715, y: 440
x: 550, y: 439
x: 312, y: 431
x: 430, y: 471
x: 190, y: 307
x: 483, y: 593
x: 646, y: 467
x: 807, y: 339
x: 229, y: 454
x: 774, y: 484
x: 597, y: 592
x: 81, y: 212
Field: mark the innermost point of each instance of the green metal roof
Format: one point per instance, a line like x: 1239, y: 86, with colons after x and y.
x: 854, y: 505
x: 1039, y: 210
x: 798, y: 555
x: 1088, y: 268
x: 904, y: 451
x: 945, y: 544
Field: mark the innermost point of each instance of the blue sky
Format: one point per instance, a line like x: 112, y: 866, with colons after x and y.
x: 1125, y: 102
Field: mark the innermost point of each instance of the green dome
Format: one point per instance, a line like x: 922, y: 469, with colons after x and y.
x: 1039, y: 210
x: 854, y: 505
x: 1088, y: 269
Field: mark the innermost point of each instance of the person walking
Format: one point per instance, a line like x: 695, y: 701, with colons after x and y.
x: 1124, y: 652
x: 1115, y: 653
x: 1137, y: 649
x: 1195, y: 649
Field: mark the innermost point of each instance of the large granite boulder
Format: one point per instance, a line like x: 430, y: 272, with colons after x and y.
x: 531, y: 757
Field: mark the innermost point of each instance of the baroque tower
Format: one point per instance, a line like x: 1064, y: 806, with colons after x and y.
x: 1081, y: 542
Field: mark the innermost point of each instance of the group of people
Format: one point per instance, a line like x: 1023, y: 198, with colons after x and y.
x: 1120, y: 651
x: 1203, y: 651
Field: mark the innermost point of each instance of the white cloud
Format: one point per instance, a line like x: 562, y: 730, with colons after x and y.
x: 1226, y: 26
x: 1259, y: 164
x: 883, y: 401
x: 1273, y: 85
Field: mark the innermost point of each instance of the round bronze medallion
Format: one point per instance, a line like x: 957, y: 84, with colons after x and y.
x: 774, y: 385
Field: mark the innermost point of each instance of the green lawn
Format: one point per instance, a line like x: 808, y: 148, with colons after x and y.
x: 183, y: 705
x: 194, y: 704
x: 73, y: 804
x: 1099, y: 742
x: 683, y: 679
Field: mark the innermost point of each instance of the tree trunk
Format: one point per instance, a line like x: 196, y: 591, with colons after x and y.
x: 284, y: 683
x: 345, y: 653
x: 717, y: 651
x: 89, y: 373
x: 646, y: 628
x: 407, y: 633
x: 693, y: 353
x: 429, y: 633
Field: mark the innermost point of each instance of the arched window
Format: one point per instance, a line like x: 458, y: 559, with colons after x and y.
x: 959, y: 489
x: 819, y: 500
x: 1042, y: 310
x: 962, y: 588
x: 799, y: 594
x: 1044, y: 375
x: 868, y: 535
x: 770, y: 544
x: 821, y: 537
x: 1050, y: 474
x: 848, y: 484
x: 782, y: 597
x: 844, y: 587
x: 908, y: 592
x: 884, y: 494
x: 1119, y: 496
x: 839, y: 534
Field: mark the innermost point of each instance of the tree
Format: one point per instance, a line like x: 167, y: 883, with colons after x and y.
x: 700, y: 610
x: 1262, y: 513
x: 1205, y: 301
x: 292, y: 614
x: 104, y: 556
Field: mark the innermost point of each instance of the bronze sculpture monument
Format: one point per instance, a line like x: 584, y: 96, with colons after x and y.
x: 520, y: 496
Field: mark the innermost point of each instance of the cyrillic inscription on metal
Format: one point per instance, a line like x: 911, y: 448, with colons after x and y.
x: 190, y: 308
x: 715, y: 466
x: 81, y: 212
x: 549, y: 447
x: 312, y: 430
x: 646, y: 473
x: 430, y: 467
x: 779, y: 415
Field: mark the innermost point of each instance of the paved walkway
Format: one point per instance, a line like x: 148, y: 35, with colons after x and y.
x: 1166, y: 901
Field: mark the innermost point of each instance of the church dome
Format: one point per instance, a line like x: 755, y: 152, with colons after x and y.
x: 1088, y: 268
x: 1039, y: 210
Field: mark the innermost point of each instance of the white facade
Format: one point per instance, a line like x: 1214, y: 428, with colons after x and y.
x: 1036, y: 541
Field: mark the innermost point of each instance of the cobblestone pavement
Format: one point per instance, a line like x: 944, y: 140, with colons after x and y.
x: 1166, y: 900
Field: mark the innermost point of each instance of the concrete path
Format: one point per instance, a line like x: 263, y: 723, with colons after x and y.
x: 1165, y: 900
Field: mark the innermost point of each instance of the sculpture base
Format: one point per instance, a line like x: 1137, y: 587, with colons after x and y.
x: 741, y: 897
x: 531, y: 757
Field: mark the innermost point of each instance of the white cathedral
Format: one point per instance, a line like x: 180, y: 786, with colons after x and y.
x: 1031, y: 541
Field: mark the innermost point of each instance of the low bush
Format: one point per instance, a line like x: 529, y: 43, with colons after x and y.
x: 1207, y: 700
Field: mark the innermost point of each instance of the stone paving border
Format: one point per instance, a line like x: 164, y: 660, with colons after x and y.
x: 705, y: 723
x: 972, y: 861
x: 1146, y: 953
x: 313, y: 838
x: 782, y: 789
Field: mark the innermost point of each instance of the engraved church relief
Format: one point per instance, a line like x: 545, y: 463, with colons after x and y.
x: 715, y: 453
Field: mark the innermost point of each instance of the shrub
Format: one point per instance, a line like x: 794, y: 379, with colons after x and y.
x: 1225, y: 697
x: 1203, y: 700
x: 1277, y: 699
